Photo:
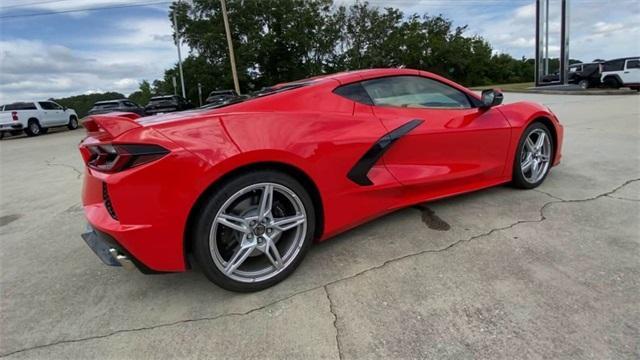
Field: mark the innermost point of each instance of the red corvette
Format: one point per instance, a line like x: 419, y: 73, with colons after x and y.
x: 246, y: 187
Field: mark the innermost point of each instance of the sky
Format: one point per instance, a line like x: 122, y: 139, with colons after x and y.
x: 80, y: 51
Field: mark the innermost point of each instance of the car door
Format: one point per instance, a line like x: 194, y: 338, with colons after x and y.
x: 51, y: 114
x: 631, y: 73
x: 451, y: 144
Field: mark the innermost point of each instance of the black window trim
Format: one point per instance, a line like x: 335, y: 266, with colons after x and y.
x: 473, y: 101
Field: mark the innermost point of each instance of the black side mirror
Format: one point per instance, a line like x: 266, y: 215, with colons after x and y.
x: 491, y: 98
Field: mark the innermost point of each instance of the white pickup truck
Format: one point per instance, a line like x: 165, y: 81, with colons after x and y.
x: 35, y: 118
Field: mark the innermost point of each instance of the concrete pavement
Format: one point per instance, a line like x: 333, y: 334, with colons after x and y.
x: 501, y: 273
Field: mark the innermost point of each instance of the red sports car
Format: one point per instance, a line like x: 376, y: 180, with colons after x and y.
x: 245, y: 188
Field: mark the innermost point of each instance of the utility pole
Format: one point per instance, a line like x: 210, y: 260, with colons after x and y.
x: 232, y: 57
x: 175, y: 26
x: 200, y: 93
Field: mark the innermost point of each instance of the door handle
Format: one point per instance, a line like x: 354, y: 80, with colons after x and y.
x: 626, y: 72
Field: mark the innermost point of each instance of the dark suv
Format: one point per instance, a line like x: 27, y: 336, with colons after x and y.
x: 120, y: 105
x: 585, y: 75
x: 220, y: 96
x: 165, y: 104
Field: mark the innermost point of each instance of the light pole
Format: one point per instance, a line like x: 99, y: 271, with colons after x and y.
x: 232, y: 57
x: 175, y: 26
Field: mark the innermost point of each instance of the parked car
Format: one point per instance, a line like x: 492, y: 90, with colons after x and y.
x: 622, y: 72
x: 165, y: 104
x: 35, y: 118
x: 220, y: 96
x: 246, y: 188
x: 119, y: 105
x: 585, y: 75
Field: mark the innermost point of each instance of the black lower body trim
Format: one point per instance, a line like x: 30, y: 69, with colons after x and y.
x: 101, y: 242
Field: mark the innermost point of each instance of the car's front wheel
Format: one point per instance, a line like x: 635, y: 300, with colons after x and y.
x: 254, y: 230
x: 533, y: 156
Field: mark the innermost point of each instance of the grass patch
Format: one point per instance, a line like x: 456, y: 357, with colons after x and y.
x: 506, y: 87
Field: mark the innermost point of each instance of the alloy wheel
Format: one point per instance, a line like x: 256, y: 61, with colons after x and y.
x: 536, y: 156
x: 258, y: 232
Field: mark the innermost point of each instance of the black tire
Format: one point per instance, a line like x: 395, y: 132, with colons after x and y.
x: 519, y: 180
x: 584, y: 84
x: 33, y: 128
x: 1, y: 135
x: 612, y: 83
x: 73, y: 123
x: 212, y: 205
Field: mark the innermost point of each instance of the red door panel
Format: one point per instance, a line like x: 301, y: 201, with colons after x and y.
x: 451, y: 148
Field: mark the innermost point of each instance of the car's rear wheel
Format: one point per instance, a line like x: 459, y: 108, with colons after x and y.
x: 254, y: 231
x: 33, y: 128
x: 73, y: 123
x: 612, y: 83
x: 533, y: 157
x: 584, y: 84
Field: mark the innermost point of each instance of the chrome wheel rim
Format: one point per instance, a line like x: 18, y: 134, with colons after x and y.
x: 536, y: 155
x: 258, y: 232
x: 34, y: 128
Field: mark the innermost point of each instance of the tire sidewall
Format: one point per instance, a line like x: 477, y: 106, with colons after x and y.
x: 73, y: 123
x: 518, y: 177
x: 214, y: 202
x: 29, y: 131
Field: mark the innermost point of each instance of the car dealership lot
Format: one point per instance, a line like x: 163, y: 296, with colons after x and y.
x: 501, y: 273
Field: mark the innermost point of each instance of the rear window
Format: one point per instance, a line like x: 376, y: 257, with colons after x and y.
x: 109, y: 105
x: 633, y: 64
x: 20, y: 106
x: 614, y: 65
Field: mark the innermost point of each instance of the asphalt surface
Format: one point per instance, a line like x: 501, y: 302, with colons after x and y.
x: 497, y: 274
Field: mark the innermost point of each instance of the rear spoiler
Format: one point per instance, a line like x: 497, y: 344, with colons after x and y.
x: 114, y: 124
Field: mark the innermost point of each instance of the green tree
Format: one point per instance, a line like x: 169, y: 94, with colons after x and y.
x: 284, y: 40
x: 142, y: 95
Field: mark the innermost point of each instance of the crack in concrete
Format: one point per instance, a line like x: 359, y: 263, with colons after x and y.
x: 548, y: 194
x: 325, y: 286
x: 174, y: 323
x: 335, y: 322
x: 622, y: 198
x: 50, y: 163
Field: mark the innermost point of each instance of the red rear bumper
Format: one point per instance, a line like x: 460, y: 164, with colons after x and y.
x: 145, y: 209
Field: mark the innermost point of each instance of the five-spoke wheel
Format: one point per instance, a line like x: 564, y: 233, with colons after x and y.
x: 261, y: 228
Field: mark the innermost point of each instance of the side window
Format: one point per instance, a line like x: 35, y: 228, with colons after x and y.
x: 615, y: 65
x: 414, y: 92
x: 55, y: 106
x: 129, y: 104
x: 633, y: 64
x: 47, y: 105
x: 354, y: 92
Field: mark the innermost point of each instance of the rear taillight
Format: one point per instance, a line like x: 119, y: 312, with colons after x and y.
x: 14, y: 115
x: 112, y: 158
